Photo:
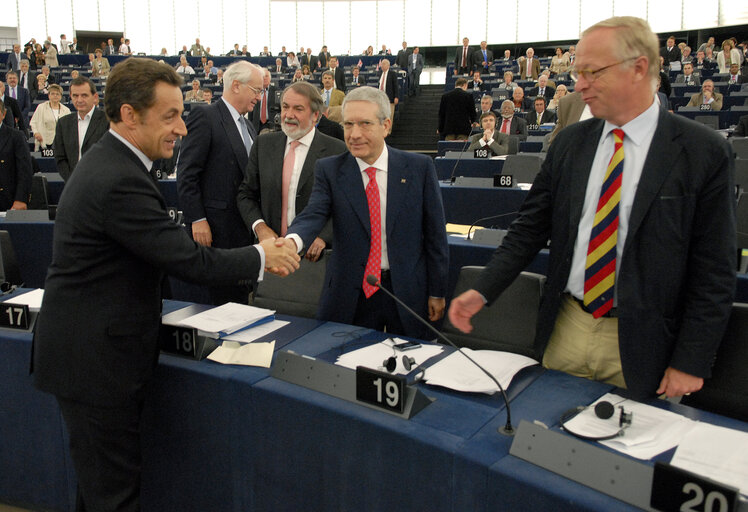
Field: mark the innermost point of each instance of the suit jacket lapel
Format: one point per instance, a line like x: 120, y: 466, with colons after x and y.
x: 4, y: 136
x: 662, y: 153
x: 316, y: 151
x: 92, y: 127
x: 351, y: 181
x: 583, y: 158
x: 233, y: 135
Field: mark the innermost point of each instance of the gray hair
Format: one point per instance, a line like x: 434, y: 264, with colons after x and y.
x: 241, y: 71
x: 372, y: 95
x: 310, y: 92
x: 24, y: 61
x: 328, y: 73
x: 486, y: 96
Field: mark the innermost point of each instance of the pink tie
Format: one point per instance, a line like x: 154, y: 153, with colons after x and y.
x: 381, y: 82
x: 263, y: 110
x: 288, y: 163
x: 374, y: 263
x: 13, y: 92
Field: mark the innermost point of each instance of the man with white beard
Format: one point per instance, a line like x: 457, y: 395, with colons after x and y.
x: 280, y: 174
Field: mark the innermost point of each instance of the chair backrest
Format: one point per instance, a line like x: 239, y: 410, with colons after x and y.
x: 10, y: 272
x: 509, y: 323
x: 523, y: 167
x: 742, y: 221
x: 740, y: 147
x: 710, y: 121
x: 726, y: 392
x: 741, y: 174
x: 39, y: 199
x: 297, y: 294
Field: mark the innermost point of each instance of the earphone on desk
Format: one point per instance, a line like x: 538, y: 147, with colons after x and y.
x: 603, y: 410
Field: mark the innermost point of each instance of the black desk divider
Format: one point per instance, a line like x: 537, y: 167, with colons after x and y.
x: 336, y: 381
x: 489, y: 236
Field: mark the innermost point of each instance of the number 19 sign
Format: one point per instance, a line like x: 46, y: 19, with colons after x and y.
x: 383, y: 390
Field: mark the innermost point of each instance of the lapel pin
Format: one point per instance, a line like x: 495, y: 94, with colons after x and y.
x: 402, y: 180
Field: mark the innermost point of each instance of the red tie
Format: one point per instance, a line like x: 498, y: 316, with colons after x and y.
x: 374, y: 263
x: 464, y: 57
x: 505, y: 126
x: 288, y: 163
x: 381, y: 82
x: 263, y: 110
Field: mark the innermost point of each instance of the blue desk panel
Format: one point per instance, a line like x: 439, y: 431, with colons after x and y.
x: 478, y: 168
x: 465, y: 205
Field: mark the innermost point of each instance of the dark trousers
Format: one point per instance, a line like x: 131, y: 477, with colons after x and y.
x: 379, y: 312
x: 105, y: 447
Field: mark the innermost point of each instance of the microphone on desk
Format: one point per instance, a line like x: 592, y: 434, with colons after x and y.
x: 492, y: 217
x: 454, y: 169
x: 506, y: 429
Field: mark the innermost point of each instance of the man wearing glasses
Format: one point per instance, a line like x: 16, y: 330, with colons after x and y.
x: 639, y: 207
x: 211, y: 167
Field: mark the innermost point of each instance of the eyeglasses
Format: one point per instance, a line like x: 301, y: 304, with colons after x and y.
x: 590, y: 75
x: 255, y: 90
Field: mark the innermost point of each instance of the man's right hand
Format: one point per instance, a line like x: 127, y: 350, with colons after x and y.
x: 281, y: 256
x: 462, y: 309
x: 201, y: 233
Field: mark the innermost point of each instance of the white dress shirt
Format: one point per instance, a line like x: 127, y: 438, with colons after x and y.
x: 637, y: 140
x: 82, y: 129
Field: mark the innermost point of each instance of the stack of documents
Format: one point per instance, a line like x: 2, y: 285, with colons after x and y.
x: 227, y: 319
x: 374, y: 356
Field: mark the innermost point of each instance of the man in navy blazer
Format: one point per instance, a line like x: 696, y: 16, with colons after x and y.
x: 211, y: 166
x: 20, y: 94
x: 673, y: 260
x: 15, y: 167
x: 411, y: 255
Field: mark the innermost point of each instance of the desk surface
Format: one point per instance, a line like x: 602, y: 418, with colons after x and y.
x: 219, y: 437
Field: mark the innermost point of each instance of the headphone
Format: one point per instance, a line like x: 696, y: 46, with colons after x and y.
x: 603, y: 410
x: 409, y: 363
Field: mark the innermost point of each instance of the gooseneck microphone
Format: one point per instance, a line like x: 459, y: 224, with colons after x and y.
x: 454, y: 169
x: 507, y: 429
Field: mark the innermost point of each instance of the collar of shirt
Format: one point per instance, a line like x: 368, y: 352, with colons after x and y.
x: 85, y: 118
x: 306, y: 140
x: 147, y: 162
x: 234, y: 113
x: 639, y: 129
x: 380, y: 163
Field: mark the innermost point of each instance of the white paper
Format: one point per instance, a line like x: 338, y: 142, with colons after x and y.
x: 715, y: 452
x: 652, y: 430
x: 32, y: 299
x: 256, y: 332
x: 374, y: 355
x: 457, y: 372
x: 226, y: 319
x: 247, y: 354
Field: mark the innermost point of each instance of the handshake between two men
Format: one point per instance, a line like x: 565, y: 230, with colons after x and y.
x: 281, y: 256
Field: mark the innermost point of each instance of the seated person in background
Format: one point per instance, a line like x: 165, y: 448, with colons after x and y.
x: 497, y: 142
x: 42, y: 84
x: 279, y: 67
x: 298, y: 76
x: 100, y: 64
x: 184, y: 68
x: 356, y: 79
x: 507, y: 56
x: 686, y: 55
x: 687, y: 77
x: 207, y: 95
x: 306, y: 72
x: 521, y: 104
x: 511, y: 124
x: 219, y: 77
x: 46, y: 115
x: 700, y: 62
x: 477, y: 83
x: 541, y: 115
x: 369, y: 51
x: 245, y: 52
x: 735, y: 76
x: 560, y: 62
x: 194, y: 94
x: 543, y: 89
x: 710, y: 58
x: 741, y: 130
x: 707, y: 96
x: 164, y: 52
x: 486, y: 102
x: 508, y: 84
x: 561, y: 91
x: 292, y: 61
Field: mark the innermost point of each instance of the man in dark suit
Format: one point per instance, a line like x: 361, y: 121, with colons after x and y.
x: 323, y: 58
x: 263, y: 115
x: 26, y: 79
x: 415, y: 67
x: 110, y: 49
x: 18, y: 93
x: 510, y: 123
x: 330, y: 128
x: 88, y: 118
x: 349, y: 189
x: 211, y: 166
x: 15, y: 168
x: 15, y: 58
x: 96, y: 342
x: 625, y: 291
x: 356, y: 79
x: 456, y: 112
x: 483, y: 58
x: 540, y: 115
x: 280, y: 173
x: 338, y: 73
x: 14, y: 117
x: 309, y: 60
x: 278, y: 67
x: 741, y: 129
x: 464, y: 58
x: 388, y: 84
x: 497, y: 142
x: 670, y: 52
x: 543, y: 89
x: 401, y: 60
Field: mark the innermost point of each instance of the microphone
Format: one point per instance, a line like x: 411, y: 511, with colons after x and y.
x: 489, y: 218
x: 454, y: 169
x: 507, y: 429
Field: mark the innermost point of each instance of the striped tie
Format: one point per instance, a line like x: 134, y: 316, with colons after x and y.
x: 600, y: 269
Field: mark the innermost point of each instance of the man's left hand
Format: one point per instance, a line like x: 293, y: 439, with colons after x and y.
x: 315, y: 250
x: 436, y: 308
x: 678, y: 383
x: 18, y: 205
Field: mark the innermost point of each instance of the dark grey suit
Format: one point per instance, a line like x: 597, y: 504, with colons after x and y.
x: 15, y: 168
x: 66, y: 139
x: 677, y: 272
x: 260, y: 193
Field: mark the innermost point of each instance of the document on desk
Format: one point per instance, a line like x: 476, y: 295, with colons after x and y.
x: 227, y: 319
x: 457, y: 372
x: 373, y: 355
x: 715, y: 452
x: 246, y: 354
x: 258, y: 331
x: 32, y: 299
x: 652, y: 430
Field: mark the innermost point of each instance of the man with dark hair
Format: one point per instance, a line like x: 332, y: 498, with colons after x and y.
x: 497, y: 142
x: 540, y: 115
x: 211, y: 164
x: 456, y: 112
x: 15, y: 171
x: 78, y: 131
x: 670, y: 52
x: 415, y: 67
x: 280, y: 173
x: 464, y: 58
x: 338, y: 73
x: 96, y: 343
